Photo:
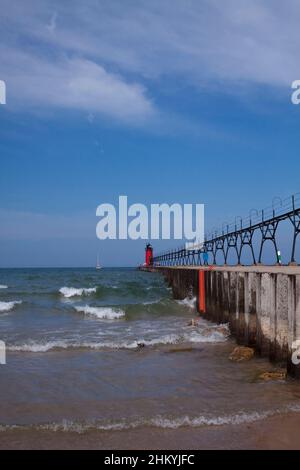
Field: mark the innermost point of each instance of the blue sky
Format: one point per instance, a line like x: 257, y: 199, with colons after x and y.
x: 162, y: 101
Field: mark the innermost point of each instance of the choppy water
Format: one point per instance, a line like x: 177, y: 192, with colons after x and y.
x: 112, y: 350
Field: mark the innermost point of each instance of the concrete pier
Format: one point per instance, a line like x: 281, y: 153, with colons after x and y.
x: 260, y: 303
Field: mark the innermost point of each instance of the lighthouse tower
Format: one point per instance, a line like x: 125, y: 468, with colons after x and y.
x: 148, y: 255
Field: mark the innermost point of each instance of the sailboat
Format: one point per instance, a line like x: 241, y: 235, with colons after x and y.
x: 98, y: 264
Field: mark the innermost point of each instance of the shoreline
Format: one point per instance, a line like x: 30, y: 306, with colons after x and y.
x: 276, y: 432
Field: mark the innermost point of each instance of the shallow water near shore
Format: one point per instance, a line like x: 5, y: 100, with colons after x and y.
x: 111, y: 353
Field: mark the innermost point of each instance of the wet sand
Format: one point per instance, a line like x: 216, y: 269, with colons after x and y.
x: 277, y: 432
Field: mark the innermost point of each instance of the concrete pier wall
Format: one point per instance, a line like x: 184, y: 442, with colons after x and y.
x: 261, y: 305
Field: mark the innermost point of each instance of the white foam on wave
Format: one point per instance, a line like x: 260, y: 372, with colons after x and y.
x: 2, y: 286
x: 7, y: 306
x: 101, y: 312
x: 186, y: 421
x: 211, y: 335
x: 194, y: 336
x: 152, y: 302
x: 159, y: 421
x: 73, y: 291
x: 38, y: 347
x: 32, y: 346
x: 188, y: 302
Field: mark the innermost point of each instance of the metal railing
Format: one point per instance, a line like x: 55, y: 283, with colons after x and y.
x: 239, y: 234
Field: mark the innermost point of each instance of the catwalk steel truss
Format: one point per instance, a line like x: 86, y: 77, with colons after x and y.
x: 240, y: 234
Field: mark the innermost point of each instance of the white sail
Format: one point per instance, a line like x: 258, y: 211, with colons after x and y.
x: 98, y: 264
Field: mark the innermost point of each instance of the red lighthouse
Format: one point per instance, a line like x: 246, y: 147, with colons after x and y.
x: 148, y: 255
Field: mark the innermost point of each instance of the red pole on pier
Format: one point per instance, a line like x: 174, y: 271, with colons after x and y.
x: 201, y: 292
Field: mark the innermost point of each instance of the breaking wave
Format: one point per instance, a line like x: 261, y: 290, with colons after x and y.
x: 188, y: 302
x: 7, y: 306
x: 209, y: 335
x: 3, y: 287
x: 65, y: 344
x: 156, y: 422
x: 151, y: 302
x: 73, y: 291
x: 101, y: 312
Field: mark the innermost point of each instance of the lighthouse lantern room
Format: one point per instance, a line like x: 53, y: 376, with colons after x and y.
x: 148, y: 255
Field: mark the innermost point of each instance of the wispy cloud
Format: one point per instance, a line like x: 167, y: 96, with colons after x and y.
x: 72, y: 83
x: 107, y: 57
x: 52, y: 25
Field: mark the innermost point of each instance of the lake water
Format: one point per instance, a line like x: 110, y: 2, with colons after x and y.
x: 111, y: 350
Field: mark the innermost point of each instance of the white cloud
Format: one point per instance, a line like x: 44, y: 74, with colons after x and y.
x: 72, y: 83
x: 235, y: 40
x: 97, y: 56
